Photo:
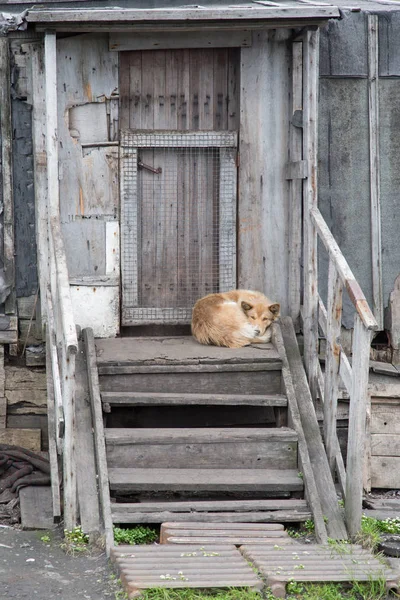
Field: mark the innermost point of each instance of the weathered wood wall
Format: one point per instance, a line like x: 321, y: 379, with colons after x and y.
x: 180, y: 89
x: 89, y: 179
x: 347, y: 140
x: 264, y: 141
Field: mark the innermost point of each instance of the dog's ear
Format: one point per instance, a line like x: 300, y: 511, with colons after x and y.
x: 275, y: 309
x: 246, y: 306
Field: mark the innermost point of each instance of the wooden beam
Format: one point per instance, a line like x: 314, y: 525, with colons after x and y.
x: 69, y: 467
x: 40, y: 167
x: 374, y: 168
x: 357, y: 425
x: 52, y: 432
x: 310, y: 136
x: 166, y: 40
x: 323, y: 479
x: 332, y: 360
x: 99, y: 439
x: 294, y: 420
x: 182, y: 14
x: 296, y: 185
x: 345, y: 273
x: 7, y: 173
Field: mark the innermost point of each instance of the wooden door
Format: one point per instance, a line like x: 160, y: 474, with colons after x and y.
x: 178, y: 180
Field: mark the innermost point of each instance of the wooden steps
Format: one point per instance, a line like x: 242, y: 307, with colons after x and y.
x: 204, y: 480
x: 198, y: 434
x: 209, y: 448
x: 111, y: 399
x: 236, y: 511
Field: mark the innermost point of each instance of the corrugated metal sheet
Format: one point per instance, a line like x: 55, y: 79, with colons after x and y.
x: 188, y: 566
x: 341, y: 563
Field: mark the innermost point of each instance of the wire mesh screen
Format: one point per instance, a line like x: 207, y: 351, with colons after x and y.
x: 179, y: 222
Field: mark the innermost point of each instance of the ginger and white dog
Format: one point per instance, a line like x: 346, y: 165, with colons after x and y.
x: 234, y: 319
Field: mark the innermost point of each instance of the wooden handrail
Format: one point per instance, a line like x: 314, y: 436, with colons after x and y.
x: 345, y: 273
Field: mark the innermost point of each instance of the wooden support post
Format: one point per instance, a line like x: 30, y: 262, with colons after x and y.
x: 99, y: 439
x: 40, y: 166
x: 357, y: 424
x: 7, y: 173
x: 310, y: 133
x: 332, y: 361
x: 68, y: 347
x: 373, y: 103
x: 296, y: 185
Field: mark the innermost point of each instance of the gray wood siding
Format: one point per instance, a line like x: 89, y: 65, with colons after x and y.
x: 343, y: 46
x: 179, y: 89
x: 344, y: 188
x: 88, y: 176
x: 24, y: 200
x: 264, y: 142
x: 344, y: 138
x: 390, y: 180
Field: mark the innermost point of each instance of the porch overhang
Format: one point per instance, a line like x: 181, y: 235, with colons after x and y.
x: 248, y: 16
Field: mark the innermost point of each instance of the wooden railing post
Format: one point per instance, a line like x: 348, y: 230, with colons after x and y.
x: 310, y: 136
x: 332, y: 361
x: 357, y: 422
x: 64, y: 326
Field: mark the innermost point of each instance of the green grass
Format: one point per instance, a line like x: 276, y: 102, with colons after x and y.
x: 188, y: 594
x: 372, y: 590
x: 136, y: 535
x: 75, y: 541
x: 372, y: 529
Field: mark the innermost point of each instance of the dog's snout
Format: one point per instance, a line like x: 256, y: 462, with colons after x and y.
x: 257, y: 330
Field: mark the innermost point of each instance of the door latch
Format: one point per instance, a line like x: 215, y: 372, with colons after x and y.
x: 141, y: 165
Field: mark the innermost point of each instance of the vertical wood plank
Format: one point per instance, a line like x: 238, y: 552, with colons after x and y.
x: 184, y: 91
x: 135, y: 85
x: 373, y: 103
x: 69, y: 466
x: 7, y: 175
x: 159, y: 90
x: 332, y: 361
x: 356, y: 435
x: 40, y: 167
x: 233, y: 89
x: 147, y: 121
x: 367, y: 478
x: 220, y: 99
x: 207, y: 165
x: 310, y: 136
x: 124, y: 89
x: 99, y: 439
x: 295, y: 187
x: 263, y: 191
x: 194, y: 88
x: 52, y: 432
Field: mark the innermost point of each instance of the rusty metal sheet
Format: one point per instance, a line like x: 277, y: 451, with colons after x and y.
x: 317, y: 563
x: 187, y: 566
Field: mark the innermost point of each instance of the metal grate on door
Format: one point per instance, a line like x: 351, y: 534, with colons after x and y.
x: 178, y: 217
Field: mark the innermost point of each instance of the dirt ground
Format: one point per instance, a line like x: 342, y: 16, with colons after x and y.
x: 37, y: 570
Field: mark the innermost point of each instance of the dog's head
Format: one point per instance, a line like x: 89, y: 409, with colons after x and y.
x: 260, y: 315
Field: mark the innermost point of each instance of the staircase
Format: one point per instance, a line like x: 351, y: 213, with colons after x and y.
x: 200, y: 433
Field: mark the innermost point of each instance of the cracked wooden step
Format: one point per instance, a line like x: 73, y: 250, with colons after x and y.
x: 111, y: 399
x: 204, y: 480
x: 208, y: 447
